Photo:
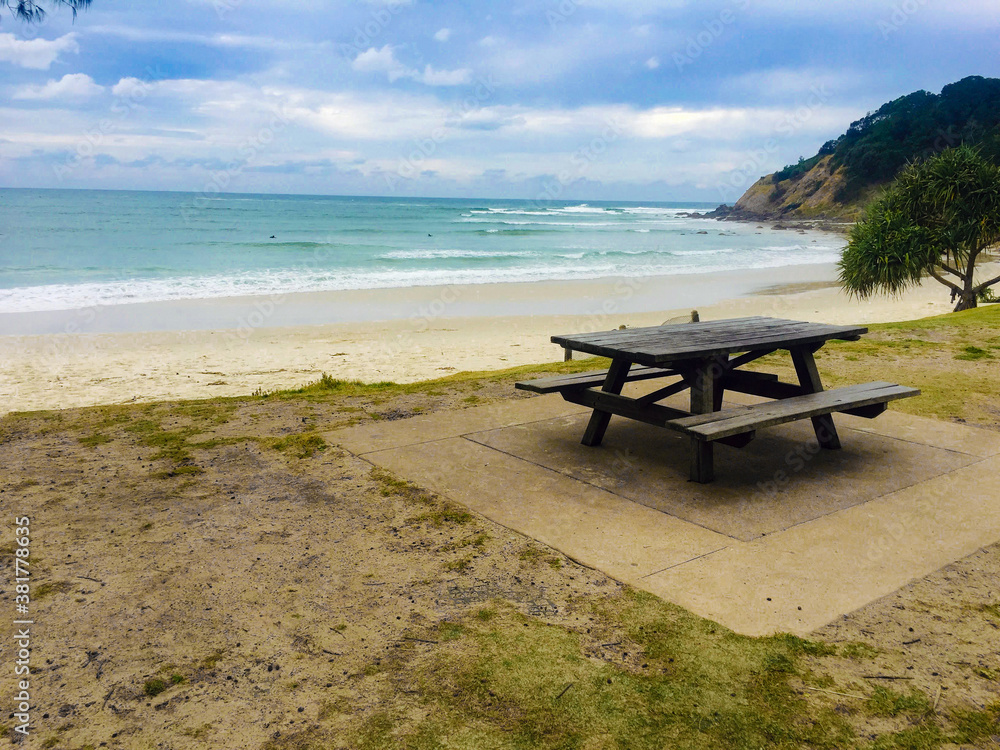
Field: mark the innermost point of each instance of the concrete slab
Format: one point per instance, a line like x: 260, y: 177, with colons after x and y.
x: 933, y: 432
x: 807, y: 576
x: 595, y: 527
x: 382, y: 435
x: 780, y: 480
x: 905, y: 497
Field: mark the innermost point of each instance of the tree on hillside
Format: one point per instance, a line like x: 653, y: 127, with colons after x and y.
x: 879, y: 145
x: 30, y: 11
x: 937, y: 218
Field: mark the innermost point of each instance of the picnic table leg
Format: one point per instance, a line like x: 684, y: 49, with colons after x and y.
x: 599, y: 420
x: 703, y: 397
x: 805, y: 368
x: 719, y: 383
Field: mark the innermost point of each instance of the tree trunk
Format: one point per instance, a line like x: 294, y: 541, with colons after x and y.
x: 967, y: 297
x: 966, y: 300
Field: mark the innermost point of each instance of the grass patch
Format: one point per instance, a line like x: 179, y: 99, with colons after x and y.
x: 94, y: 440
x: 460, y: 565
x: 198, y: 733
x: 439, y: 512
x: 973, y: 353
x: 959, y: 728
x: 210, y: 661
x: 445, y: 514
x: 302, y: 445
x: 536, y: 555
x: 392, y: 486
x: 886, y: 702
x: 507, y: 681
x: 532, y: 554
x: 924, y: 353
x: 154, y: 687
x: 500, y: 680
x: 49, y: 588
x: 993, y: 610
x: 858, y: 650
x: 330, y: 388
x: 475, y: 540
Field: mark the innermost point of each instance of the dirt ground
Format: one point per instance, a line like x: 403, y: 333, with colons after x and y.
x: 213, y: 575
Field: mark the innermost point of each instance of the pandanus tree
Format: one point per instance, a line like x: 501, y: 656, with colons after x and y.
x: 30, y: 11
x: 937, y: 218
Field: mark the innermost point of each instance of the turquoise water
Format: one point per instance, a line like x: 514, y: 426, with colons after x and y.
x: 72, y: 249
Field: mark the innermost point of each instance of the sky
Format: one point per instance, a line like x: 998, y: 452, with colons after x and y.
x: 658, y: 100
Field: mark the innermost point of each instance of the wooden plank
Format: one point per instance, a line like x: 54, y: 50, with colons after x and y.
x: 662, y: 393
x: 740, y: 419
x: 748, y: 358
x: 868, y: 412
x: 861, y: 390
x: 654, y: 414
x: 808, y: 374
x: 599, y: 420
x: 703, y: 400
x: 711, y: 332
x: 592, y: 379
x: 760, y: 384
x: 622, y: 406
x: 667, y: 344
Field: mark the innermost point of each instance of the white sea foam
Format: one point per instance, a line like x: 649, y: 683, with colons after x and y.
x: 85, y: 295
x: 348, y: 245
x: 441, y: 254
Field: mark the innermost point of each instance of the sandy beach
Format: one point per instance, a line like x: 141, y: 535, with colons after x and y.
x: 427, y: 332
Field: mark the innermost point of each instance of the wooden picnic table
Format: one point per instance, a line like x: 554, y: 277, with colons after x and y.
x: 701, y: 356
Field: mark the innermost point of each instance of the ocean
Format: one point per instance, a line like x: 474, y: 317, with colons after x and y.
x: 75, y: 249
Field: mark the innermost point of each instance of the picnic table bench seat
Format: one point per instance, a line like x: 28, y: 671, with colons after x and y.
x: 863, y: 400
x: 739, y: 380
x: 592, y: 379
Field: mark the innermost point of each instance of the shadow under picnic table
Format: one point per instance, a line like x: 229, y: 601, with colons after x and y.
x: 778, y: 481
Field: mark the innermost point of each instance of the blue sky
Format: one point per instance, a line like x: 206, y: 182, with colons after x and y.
x: 567, y: 99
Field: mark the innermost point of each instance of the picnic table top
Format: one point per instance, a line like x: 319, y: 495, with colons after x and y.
x: 659, y: 345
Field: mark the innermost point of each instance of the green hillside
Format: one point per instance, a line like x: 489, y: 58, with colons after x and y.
x: 848, y: 170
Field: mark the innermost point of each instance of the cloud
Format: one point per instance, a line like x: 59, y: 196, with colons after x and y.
x: 384, y: 60
x: 433, y: 77
x: 653, y: 63
x: 224, y: 40
x: 70, y: 86
x: 781, y: 83
x: 38, y: 54
x: 443, y: 35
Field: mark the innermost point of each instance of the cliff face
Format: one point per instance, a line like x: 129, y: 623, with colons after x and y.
x: 808, y: 195
x: 848, y: 171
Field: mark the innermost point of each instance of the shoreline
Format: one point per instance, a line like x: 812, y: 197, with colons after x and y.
x: 431, y: 338
x: 295, y: 309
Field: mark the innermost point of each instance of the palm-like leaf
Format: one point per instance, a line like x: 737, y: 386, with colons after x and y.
x: 943, y: 211
x: 32, y: 11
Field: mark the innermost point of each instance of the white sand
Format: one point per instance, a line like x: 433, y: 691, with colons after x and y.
x: 82, y: 369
